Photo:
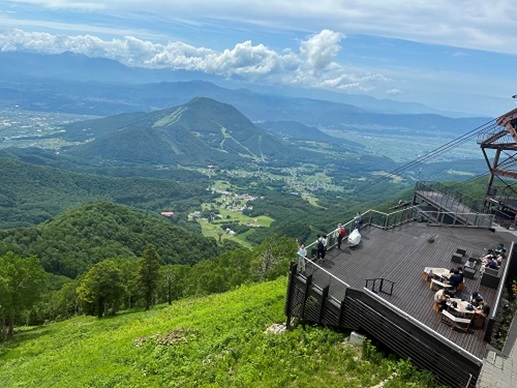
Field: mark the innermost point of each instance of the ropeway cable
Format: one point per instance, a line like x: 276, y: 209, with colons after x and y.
x: 484, y: 128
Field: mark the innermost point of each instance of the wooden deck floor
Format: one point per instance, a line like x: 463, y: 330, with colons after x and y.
x: 400, y: 255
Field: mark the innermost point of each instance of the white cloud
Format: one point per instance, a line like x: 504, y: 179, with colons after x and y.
x: 460, y: 54
x: 393, y: 92
x: 65, y: 4
x: 311, y: 66
x: 319, y: 50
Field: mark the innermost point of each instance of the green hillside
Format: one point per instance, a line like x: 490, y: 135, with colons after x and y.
x: 31, y: 194
x: 76, y: 239
x: 216, y: 341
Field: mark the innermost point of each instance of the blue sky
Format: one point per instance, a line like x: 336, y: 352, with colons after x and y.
x: 456, y: 55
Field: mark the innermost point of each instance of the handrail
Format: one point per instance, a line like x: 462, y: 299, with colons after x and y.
x: 464, y: 199
x: 416, y: 322
x: 381, y: 289
x: 409, y: 213
x: 502, y: 282
x: 329, y: 274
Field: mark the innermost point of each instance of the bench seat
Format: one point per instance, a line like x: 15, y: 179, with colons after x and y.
x: 438, y: 283
x: 455, y: 322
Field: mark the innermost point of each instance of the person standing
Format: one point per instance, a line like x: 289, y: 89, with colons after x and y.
x: 341, y: 234
x: 455, y: 279
x: 358, y: 221
x: 302, y: 253
x: 325, y: 242
x: 320, y: 247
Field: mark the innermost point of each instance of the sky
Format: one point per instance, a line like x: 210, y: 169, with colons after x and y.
x: 453, y: 55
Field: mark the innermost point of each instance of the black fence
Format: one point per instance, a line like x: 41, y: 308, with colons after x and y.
x: 365, y: 312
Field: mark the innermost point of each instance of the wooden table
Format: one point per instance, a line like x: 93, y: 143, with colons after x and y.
x: 442, y: 273
x: 461, y: 307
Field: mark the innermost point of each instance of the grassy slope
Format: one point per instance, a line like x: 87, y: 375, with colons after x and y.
x: 214, y: 341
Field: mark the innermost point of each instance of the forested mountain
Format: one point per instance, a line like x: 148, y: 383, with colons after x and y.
x: 73, y: 241
x: 31, y: 194
x: 200, y: 132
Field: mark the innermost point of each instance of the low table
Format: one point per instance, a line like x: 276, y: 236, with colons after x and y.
x: 472, y: 263
x: 470, y: 268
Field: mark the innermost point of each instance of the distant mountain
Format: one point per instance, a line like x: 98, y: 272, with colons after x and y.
x: 106, y: 87
x: 201, y: 132
x: 18, y: 66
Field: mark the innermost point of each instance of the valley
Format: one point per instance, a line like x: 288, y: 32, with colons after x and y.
x: 21, y: 128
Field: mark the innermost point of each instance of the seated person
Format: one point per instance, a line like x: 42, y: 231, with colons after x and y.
x: 475, y: 299
x: 500, y: 257
x: 440, y: 297
x: 483, y: 309
x: 455, y: 279
x: 499, y: 249
x: 485, y: 259
x: 460, y: 270
x: 492, y: 264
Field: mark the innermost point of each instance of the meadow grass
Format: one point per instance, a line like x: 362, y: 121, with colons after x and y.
x: 214, y: 341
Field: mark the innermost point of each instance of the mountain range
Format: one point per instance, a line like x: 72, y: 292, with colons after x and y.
x: 75, y: 83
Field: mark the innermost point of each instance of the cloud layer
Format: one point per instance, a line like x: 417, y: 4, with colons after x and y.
x: 473, y: 24
x: 312, y: 65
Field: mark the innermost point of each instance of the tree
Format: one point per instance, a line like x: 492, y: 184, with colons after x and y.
x: 129, y: 267
x: 22, y: 281
x: 272, y: 257
x: 174, y: 282
x: 149, y: 275
x: 100, y: 289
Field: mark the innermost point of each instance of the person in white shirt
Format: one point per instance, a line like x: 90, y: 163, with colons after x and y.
x: 302, y: 252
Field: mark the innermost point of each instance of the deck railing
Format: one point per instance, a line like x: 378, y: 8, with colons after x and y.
x: 377, y: 285
x: 308, y: 299
x: 415, y: 213
x: 383, y: 220
x: 450, y: 198
x: 323, y: 279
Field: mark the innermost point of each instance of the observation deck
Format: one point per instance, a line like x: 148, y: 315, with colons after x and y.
x: 377, y: 288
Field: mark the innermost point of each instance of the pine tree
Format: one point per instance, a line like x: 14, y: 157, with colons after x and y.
x: 149, y: 275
